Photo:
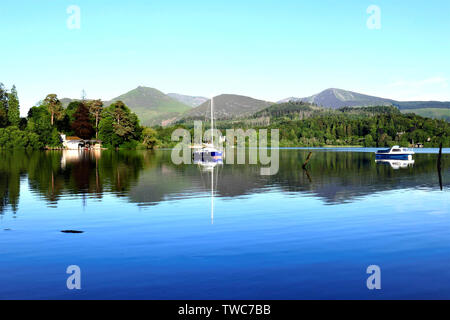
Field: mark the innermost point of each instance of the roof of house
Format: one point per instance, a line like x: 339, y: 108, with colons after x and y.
x: 73, y: 139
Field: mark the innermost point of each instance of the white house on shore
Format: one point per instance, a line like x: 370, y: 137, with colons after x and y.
x: 72, y: 143
x: 75, y: 143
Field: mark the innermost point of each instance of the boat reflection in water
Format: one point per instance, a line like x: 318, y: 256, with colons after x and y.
x: 397, y: 164
x: 211, y: 166
x: 148, y: 178
x: 207, y: 162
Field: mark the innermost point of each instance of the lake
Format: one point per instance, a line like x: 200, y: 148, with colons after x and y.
x: 149, y: 231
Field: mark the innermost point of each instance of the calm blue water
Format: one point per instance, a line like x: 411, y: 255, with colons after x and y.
x: 149, y: 233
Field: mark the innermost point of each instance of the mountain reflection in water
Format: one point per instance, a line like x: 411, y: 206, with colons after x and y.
x: 149, y: 177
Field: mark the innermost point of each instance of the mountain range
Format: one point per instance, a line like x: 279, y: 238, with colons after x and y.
x: 192, y: 101
x: 227, y: 106
x: 338, y: 98
x: 155, y: 108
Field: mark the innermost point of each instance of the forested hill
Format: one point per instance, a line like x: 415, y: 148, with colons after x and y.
x: 307, y: 125
x: 337, y: 98
x: 301, y: 110
x: 300, y: 124
x: 380, y: 126
x: 226, y: 106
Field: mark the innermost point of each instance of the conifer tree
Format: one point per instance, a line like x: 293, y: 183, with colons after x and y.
x: 13, y: 107
x: 3, y: 106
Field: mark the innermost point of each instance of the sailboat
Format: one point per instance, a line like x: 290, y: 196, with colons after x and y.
x: 207, y: 154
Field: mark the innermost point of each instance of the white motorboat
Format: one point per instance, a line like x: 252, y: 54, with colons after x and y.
x: 395, y: 153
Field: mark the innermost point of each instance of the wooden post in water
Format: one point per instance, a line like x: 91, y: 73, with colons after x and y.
x: 307, y: 160
x: 439, y: 165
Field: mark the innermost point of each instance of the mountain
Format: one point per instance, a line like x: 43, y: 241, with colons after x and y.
x: 338, y: 98
x: 151, y: 105
x: 298, y: 108
x: 155, y: 108
x: 66, y: 101
x: 294, y: 99
x: 227, y: 106
x: 192, y: 101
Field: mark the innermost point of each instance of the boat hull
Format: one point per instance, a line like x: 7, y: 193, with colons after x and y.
x: 386, y: 156
x: 214, y: 156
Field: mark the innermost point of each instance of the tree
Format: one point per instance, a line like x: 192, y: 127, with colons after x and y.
x: 14, y: 138
x: 13, y: 107
x: 122, y: 124
x: 368, y: 141
x: 39, y: 123
x: 54, y: 107
x: 82, y: 124
x: 96, y: 107
x: 3, y: 106
x: 149, y: 138
x: 122, y: 119
x: 119, y: 125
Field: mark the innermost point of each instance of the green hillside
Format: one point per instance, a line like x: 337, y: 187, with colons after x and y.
x: 226, y: 107
x: 338, y: 98
x: 306, y: 125
x: 151, y: 105
x: 290, y: 109
x: 435, y: 113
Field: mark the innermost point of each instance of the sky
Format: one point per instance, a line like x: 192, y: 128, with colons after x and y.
x: 268, y: 50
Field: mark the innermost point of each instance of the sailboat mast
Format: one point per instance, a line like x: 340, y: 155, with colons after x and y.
x: 212, y: 120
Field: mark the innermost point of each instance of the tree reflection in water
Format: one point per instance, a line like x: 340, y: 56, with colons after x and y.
x: 149, y: 177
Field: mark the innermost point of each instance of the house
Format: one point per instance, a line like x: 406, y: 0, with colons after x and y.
x: 72, y: 143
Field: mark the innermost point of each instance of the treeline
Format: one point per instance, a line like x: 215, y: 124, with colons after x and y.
x: 12, y: 133
x: 116, y: 126
x: 300, y: 124
x: 305, y: 125
x: 382, y: 130
x: 379, y: 126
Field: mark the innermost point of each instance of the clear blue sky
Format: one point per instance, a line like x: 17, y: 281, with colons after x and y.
x: 264, y: 49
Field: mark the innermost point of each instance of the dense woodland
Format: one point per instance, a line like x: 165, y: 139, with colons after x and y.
x: 300, y: 124
x: 382, y: 126
x: 307, y: 125
x: 116, y: 126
